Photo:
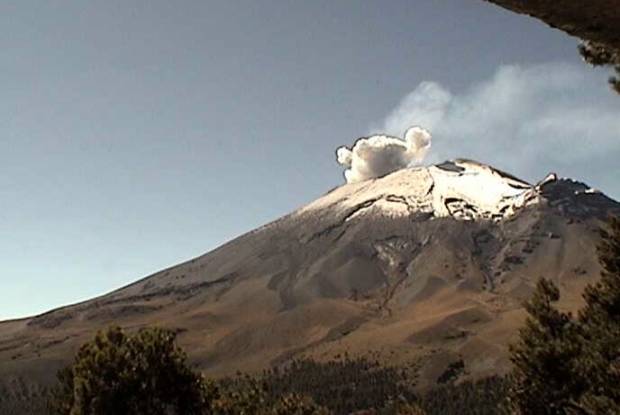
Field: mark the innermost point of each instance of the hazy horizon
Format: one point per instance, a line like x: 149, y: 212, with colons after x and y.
x: 137, y: 136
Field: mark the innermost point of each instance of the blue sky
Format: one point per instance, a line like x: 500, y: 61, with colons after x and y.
x: 138, y: 134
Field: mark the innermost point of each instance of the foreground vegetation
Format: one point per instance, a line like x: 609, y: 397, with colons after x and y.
x: 571, y: 365
x: 360, y: 385
x: 595, y: 22
x: 146, y: 373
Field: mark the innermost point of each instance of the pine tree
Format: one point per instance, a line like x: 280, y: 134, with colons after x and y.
x: 563, y: 366
x: 600, y: 319
x: 122, y: 374
x: 598, y: 54
x: 543, y: 380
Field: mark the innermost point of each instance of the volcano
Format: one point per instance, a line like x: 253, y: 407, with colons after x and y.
x: 426, y: 264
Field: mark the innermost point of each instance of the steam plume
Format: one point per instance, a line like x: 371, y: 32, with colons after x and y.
x: 378, y: 155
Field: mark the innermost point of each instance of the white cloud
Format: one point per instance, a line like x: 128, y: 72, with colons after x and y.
x: 378, y: 155
x: 528, y: 120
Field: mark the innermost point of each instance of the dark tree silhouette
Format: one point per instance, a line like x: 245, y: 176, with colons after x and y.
x: 572, y: 366
x: 145, y: 373
x: 543, y: 377
x: 596, y: 22
x: 601, y: 335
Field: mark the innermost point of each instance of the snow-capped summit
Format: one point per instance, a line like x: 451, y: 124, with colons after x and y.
x: 462, y: 189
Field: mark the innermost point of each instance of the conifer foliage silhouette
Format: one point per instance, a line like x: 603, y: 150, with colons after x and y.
x: 567, y: 365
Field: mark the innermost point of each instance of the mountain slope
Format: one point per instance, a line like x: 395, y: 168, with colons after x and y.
x: 427, y: 263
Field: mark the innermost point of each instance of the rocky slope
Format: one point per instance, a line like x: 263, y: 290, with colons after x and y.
x: 428, y: 264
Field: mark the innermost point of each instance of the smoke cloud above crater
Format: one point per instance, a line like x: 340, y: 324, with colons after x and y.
x: 378, y: 155
x: 528, y: 120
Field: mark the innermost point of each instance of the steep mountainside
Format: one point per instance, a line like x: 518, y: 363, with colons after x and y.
x: 428, y: 263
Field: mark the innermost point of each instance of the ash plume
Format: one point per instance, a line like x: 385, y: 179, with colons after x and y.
x: 378, y: 155
x: 526, y: 119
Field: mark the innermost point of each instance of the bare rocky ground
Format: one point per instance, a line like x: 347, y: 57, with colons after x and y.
x: 319, y: 282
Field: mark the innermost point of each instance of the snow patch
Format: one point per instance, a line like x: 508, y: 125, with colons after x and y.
x: 463, y: 189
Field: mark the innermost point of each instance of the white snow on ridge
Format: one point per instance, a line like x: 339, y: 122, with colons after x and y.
x: 478, y: 191
x: 462, y: 189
